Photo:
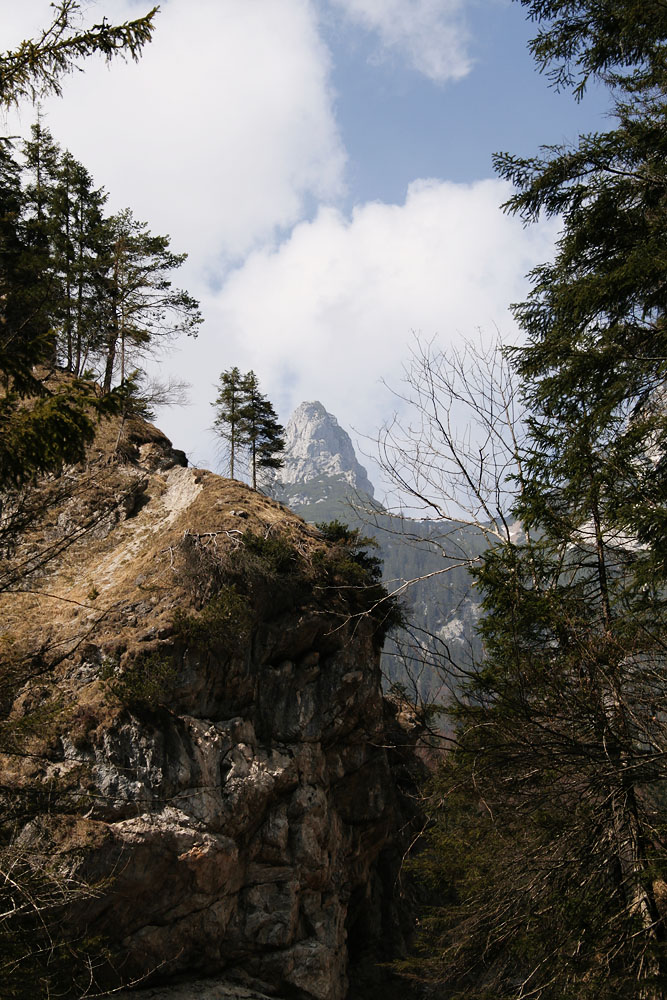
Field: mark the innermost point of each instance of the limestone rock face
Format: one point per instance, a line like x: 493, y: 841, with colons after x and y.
x: 224, y: 773
x: 318, y: 451
x: 241, y: 828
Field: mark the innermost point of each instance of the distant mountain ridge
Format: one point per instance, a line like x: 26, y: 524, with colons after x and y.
x: 322, y: 480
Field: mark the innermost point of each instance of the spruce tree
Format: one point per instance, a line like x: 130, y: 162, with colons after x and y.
x: 77, y: 250
x: 41, y: 155
x: 228, y: 405
x: 595, y: 320
x: 260, y: 428
x: 247, y: 420
x: 549, y: 820
x: 64, y: 255
x: 21, y: 332
x: 88, y: 239
x: 59, y: 421
x: 35, y: 68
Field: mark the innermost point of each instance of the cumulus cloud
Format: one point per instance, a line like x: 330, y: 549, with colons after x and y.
x: 329, y: 313
x: 221, y: 136
x: 221, y: 133
x: 430, y: 34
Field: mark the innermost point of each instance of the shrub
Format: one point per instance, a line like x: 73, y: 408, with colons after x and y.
x: 275, y: 551
x: 224, y: 621
x: 147, y: 683
x: 355, y: 547
x: 356, y: 575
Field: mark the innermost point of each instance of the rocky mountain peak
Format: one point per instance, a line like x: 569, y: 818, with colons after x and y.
x: 316, y: 449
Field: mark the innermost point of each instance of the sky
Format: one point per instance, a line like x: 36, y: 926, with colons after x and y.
x: 327, y: 167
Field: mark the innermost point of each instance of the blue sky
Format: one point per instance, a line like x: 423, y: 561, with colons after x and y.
x: 327, y: 166
x: 398, y: 124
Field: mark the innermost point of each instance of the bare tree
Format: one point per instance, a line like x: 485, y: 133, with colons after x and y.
x: 456, y: 452
x: 548, y: 810
x: 452, y: 459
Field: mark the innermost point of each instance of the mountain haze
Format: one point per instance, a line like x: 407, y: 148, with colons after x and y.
x: 425, y: 560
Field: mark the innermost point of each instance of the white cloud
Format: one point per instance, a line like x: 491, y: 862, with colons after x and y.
x: 221, y: 136
x: 431, y: 34
x: 329, y: 313
x: 223, y: 130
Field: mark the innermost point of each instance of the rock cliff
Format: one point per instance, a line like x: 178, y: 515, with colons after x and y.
x: 320, y: 463
x: 195, y: 690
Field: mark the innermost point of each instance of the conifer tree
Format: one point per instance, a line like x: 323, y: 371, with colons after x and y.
x: 595, y: 319
x: 88, y: 242
x: 141, y: 307
x: 247, y: 420
x: 64, y: 223
x: 41, y: 156
x: 77, y: 256
x: 35, y: 68
x: 556, y: 786
x: 63, y: 254
x: 229, y: 404
x: 260, y: 427
x: 58, y: 422
x: 21, y: 329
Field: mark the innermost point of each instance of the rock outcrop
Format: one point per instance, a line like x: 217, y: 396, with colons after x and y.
x: 207, y: 703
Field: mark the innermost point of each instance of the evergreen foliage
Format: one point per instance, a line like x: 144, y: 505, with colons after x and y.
x: 80, y: 293
x: 35, y: 68
x: 228, y: 404
x: 140, y: 307
x: 351, y: 568
x: 548, y: 840
x: 260, y: 427
x: 248, y: 422
x: 621, y: 42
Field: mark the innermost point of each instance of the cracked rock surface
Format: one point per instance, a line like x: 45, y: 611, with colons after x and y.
x: 237, y: 803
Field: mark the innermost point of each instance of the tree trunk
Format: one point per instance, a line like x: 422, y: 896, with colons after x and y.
x: 79, y: 291
x: 112, y: 340
x: 114, y: 332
